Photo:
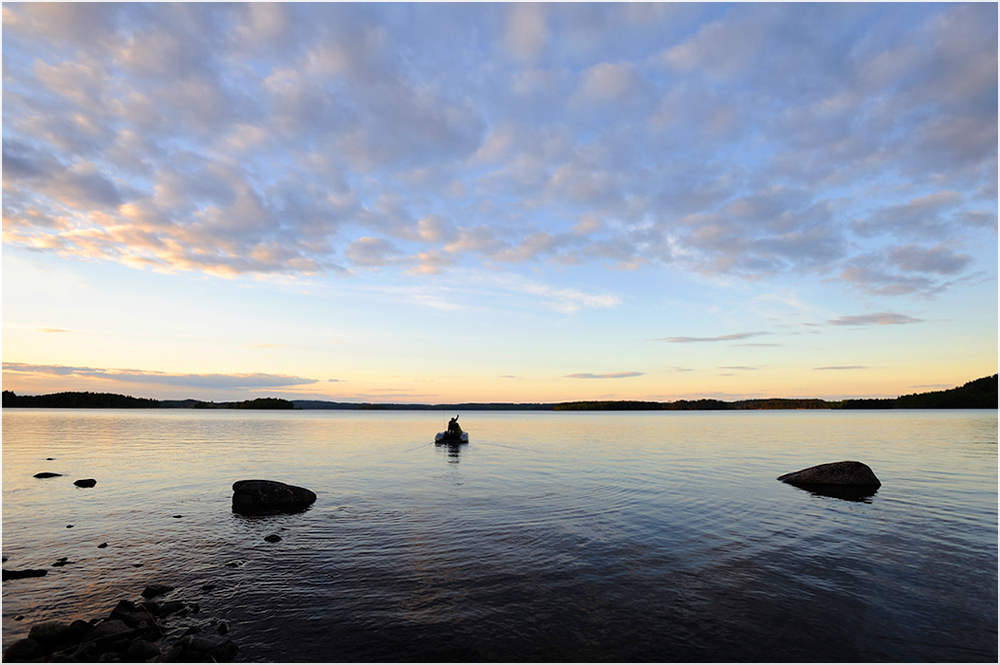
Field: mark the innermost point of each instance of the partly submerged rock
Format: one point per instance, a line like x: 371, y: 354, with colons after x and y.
x: 21, y: 574
x: 260, y: 497
x: 840, y: 474
x: 47, y: 474
x: 154, y: 590
x: 85, y: 482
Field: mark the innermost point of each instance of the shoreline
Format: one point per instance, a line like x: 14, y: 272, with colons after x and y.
x: 978, y: 394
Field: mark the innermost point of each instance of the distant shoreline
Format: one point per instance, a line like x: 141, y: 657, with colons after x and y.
x: 978, y: 394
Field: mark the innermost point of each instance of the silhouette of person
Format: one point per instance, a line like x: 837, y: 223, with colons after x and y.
x: 454, y: 427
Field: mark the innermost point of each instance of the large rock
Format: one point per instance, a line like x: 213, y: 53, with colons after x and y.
x: 839, y: 474
x: 259, y: 497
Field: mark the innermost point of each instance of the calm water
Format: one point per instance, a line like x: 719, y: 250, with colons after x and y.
x: 568, y: 537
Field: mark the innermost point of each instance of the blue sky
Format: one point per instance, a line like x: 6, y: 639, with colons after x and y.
x: 499, y: 202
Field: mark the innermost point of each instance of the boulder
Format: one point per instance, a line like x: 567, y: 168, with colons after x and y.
x: 206, y: 648
x: 108, y: 628
x: 23, y: 650
x: 141, y: 651
x: 85, y: 482
x: 47, y: 474
x: 273, y: 538
x: 52, y: 632
x: 839, y: 474
x: 260, y: 497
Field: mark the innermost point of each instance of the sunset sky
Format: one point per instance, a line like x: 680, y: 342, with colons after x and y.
x: 498, y: 202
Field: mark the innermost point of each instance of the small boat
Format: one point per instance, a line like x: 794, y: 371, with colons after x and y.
x: 453, y: 434
x: 451, y: 437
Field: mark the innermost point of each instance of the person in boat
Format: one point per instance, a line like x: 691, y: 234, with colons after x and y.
x: 453, y: 427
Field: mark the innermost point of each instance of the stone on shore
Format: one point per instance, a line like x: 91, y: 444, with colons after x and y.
x: 54, y: 632
x: 128, y: 634
x: 85, y: 482
x: 840, y: 474
x: 261, y: 497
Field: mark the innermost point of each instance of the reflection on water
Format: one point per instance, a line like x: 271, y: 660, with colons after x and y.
x: 454, y: 450
x: 584, y: 537
x: 860, y: 494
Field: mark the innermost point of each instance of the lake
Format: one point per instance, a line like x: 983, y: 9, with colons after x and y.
x: 646, y: 536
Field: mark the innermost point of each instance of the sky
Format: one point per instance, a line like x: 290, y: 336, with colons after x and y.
x: 442, y: 203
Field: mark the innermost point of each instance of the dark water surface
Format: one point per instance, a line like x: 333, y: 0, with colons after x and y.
x: 550, y: 537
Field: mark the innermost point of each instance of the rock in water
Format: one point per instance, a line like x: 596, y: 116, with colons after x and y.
x: 841, y: 474
x: 85, y: 482
x: 259, y: 497
x: 47, y: 474
x: 154, y: 590
x: 21, y: 574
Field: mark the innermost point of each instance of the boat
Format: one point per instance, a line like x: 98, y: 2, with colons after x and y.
x: 451, y: 437
x: 453, y: 434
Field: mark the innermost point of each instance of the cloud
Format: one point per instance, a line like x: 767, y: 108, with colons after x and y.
x: 194, y: 381
x: 372, y: 251
x: 877, y: 319
x: 919, y: 217
x: 52, y: 330
x: 328, y: 139
x: 613, y: 375
x: 906, y: 269
x: 526, y: 32
x: 940, y: 260
x: 721, y: 338
x: 841, y: 367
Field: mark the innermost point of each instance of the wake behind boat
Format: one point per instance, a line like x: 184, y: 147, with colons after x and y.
x: 453, y: 434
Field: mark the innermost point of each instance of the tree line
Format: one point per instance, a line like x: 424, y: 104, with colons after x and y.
x: 978, y: 394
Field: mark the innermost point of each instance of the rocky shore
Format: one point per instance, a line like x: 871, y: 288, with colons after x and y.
x: 153, y: 629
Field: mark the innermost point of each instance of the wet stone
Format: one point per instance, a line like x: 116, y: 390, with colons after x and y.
x: 155, y: 590
x: 21, y: 574
x: 128, y: 634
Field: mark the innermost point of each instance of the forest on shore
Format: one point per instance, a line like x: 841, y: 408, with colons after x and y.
x: 978, y: 394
